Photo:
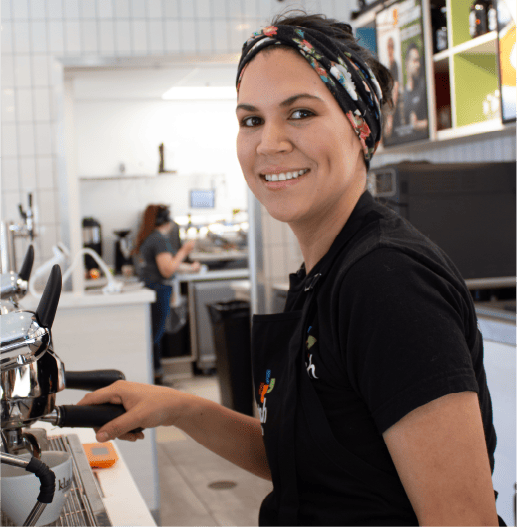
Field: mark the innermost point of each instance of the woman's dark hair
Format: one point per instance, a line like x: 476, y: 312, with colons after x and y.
x: 149, y: 223
x: 342, y: 33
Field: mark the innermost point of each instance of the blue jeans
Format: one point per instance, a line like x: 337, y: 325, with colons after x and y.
x: 159, y: 313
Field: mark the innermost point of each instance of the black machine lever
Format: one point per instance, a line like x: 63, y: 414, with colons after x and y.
x: 47, y: 307
x: 28, y: 261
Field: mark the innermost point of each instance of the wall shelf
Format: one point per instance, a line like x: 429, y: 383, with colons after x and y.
x: 463, y: 81
x: 136, y: 176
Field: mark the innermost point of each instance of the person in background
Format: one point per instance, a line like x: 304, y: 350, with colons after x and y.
x: 373, y: 404
x: 415, y: 99
x: 392, y: 115
x: 156, y: 262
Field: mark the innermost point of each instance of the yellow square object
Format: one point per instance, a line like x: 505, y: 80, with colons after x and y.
x: 100, y: 455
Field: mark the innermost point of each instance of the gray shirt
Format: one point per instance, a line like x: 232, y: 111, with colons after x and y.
x: 155, y: 244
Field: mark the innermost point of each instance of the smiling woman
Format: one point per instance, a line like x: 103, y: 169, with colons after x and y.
x: 370, y: 386
x: 296, y: 126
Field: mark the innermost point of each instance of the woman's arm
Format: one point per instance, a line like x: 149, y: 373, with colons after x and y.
x: 441, y: 457
x: 168, y: 264
x: 233, y: 436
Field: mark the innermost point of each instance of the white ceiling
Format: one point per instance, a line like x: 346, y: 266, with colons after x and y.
x: 147, y: 83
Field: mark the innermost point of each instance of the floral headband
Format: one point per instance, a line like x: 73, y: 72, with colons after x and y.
x: 346, y: 75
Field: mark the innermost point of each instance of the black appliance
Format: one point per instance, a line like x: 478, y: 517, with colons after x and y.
x: 122, y: 250
x: 467, y: 209
x: 92, y: 239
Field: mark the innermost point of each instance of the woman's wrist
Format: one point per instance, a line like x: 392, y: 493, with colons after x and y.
x: 188, y: 410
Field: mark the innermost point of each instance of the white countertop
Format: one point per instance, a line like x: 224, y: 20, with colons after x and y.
x: 215, y: 256
x: 95, y: 298
x: 122, y: 499
x: 224, y: 274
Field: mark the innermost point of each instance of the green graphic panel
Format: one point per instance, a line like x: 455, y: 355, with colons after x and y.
x: 476, y: 78
x: 460, y: 10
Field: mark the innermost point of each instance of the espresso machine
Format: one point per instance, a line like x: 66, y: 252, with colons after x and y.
x: 32, y: 375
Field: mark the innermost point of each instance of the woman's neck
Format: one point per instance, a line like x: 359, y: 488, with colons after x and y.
x: 163, y: 229
x: 315, y: 238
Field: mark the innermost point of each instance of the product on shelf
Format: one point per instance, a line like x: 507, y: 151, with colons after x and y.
x: 439, y: 24
x: 482, y: 17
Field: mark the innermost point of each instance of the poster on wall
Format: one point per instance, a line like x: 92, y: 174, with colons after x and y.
x: 506, y: 17
x: 400, y: 47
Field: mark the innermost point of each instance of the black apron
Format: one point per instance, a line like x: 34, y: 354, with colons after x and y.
x: 316, y: 480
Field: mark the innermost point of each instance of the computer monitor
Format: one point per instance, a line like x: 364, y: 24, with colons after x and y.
x: 202, y: 199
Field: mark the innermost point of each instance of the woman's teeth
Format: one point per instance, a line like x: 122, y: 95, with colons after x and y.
x: 285, y: 175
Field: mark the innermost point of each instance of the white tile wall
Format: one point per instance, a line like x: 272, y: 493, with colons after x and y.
x: 23, y: 106
x: 38, y: 40
x: 156, y: 36
x: 88, y: 9
x: 105, y: 9
x: 121, y: 8
x: 8, y: 105
x: 20, y: 10
x: 154, y: 8
x: 20, y: 32
x: 72, y: 35
x: 28, y: 172
x: 90, y: 40
x: 122, y: 37
x: 106, y: 38
x: 71, y: 9
x: 139, y: 36
x: 54, y: 9
x: 36, y: 9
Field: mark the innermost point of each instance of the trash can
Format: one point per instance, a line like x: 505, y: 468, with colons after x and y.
x: 231, y: 328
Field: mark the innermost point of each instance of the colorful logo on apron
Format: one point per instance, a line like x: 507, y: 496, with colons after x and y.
x: 311, y: 368
x: 264, y: 388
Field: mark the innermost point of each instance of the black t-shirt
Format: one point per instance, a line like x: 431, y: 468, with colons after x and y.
x: 397, y: 331
x: 155, y: 244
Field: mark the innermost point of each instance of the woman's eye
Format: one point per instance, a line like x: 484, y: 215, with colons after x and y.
x: 301, y: 114
x: 251, y: 121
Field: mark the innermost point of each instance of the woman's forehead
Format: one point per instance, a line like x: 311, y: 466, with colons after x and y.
x: 277, y: 74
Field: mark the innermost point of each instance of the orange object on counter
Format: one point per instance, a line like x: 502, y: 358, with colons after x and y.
x: 95, y: 273
x: 100, y: 455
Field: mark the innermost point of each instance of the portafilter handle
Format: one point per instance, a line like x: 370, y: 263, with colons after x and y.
x: 92, y: 380
x: 83, y: 416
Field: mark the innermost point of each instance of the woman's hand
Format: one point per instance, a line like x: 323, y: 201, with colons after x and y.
x: 147, y: 406
x: 188, y: 247
x: 195, y: 267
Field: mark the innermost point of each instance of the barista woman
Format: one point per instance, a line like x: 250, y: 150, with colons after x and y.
x: 372, y: 397
x: 156, y: 262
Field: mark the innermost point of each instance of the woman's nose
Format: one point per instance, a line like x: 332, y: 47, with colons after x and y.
x: 273, y: 139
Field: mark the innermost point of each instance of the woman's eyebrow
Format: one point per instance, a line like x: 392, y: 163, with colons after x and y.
x: 288, y: 102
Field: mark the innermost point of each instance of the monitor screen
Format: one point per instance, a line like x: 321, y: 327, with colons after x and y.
x: 202, y: 199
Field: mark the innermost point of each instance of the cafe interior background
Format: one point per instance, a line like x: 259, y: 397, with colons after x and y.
x: 110, y: 105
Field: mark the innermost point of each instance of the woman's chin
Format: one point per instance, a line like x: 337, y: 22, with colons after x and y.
x: 281, y: 215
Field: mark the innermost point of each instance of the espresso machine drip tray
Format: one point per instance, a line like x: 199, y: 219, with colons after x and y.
x: 84, y: 504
